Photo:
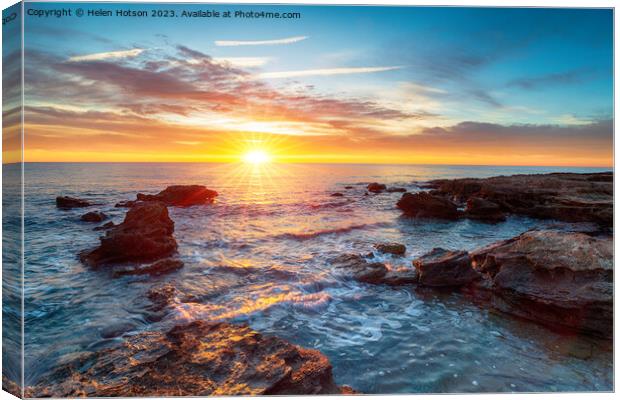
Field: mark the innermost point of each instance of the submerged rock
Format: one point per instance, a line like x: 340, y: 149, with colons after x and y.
x: 181, y: 195
x: 376, y: 187
x: 68, y: 202
x: 425, y: 205
x: 563, y: 196
x: 105, y: 226
x: 161, y: 267
x: 560, y: 279
x: 94, y: 216
x: 126, y: 203
x: 337, y: 194
x: 348, y: 187
x: 356, y: 267
x: 484, y: 210
x: 144, y: 236
x: 198, y: 359
x: 442, y: 267
x: 391, y: 248
x: 396, y: 190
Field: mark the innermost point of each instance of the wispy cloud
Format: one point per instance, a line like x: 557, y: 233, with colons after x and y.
x: 553, y: 79
x: 107, y: 55
x: 324, y: 72
x: 242, y: 62
x: 289, y: 40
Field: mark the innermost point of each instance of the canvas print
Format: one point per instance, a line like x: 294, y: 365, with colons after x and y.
x: 224, y: 199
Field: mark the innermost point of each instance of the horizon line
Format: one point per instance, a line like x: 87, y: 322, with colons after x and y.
x: 611, y: 167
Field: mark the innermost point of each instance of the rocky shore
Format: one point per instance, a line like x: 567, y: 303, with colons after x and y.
x: 560, y: 196
x: 561, y: 277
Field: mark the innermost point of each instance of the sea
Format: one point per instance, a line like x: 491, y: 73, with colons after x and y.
x: 260, y: 255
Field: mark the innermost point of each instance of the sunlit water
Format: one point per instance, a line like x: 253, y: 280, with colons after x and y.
x: 260, y: 255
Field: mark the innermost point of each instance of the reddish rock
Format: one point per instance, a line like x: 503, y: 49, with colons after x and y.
x: 376, y: 187
x: 181, y: 195
x: 337, y: 194
x: 562, y: 196
x: 391, y: 248
x: 560, y: 279
x: 356, y: 267
x: 144, y: 236
x: 442, y: 267
x: 484, y: 210
x: 425, y: 205
x: 94, y: 216
x: 198, y: 359
x: 105, y: 226
x: 396, y: 190
x: 68, y: 202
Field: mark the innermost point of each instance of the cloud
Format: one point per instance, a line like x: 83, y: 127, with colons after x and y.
x: 242, y: 62
x: 107, y: 55
x: 553, y: 79
x: 289, y: 40
x: 324, y: 72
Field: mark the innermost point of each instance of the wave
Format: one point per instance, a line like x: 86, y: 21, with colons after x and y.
x: 312, y: 235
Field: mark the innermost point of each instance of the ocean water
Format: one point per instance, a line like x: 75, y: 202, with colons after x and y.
x: 260, y: 255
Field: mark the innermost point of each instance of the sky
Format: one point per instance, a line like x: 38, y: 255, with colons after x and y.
x: 347, y: 84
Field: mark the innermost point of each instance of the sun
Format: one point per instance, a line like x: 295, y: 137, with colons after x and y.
x: 256, y: 157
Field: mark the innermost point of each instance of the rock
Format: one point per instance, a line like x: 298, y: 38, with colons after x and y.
x: 337, y: 194
x: 563, y: 196
x: 161, y: 267
x: 105, y: 226
x: 144, y: 236
x: 94, y: 216
x: 401, y: 276
x: 348, y: 187
x: 181, y: 195
x: 484, y: 210
x: 376, y: 187
x: 162, y: 296
x: 11, y: 387
x: 560, y: 279
x: 442, y: 267
x: 126, y: 203
x: 67, y: 202
x: 356, y: 267
x: 391, y: 248
x: 197, y: 359
x: 396, y: 190
x: 425, y: 205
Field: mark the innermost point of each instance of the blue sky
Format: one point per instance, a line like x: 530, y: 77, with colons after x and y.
x: 439, y: 66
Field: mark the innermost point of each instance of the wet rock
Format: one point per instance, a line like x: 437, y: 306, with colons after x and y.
x: 348, y: 187
x: 391, y: 248
x: 484, y: 210
x: 161, y: 296
x: 356, y: 267
x: 181, y: 195
x: 400, y: 276
x: 67, y: 202
x: 94, y: 216
x: 376, y: 187
x: 442, y: 267
x: 198, y: 359
x: 560, y: 279
x: 105, y: 226
x: 161, y: 267
x: 563, y: 196
x: 144, y: 236
x: 11, y: 387
x: 337, y: 194
x: 425, y: 205
x: 396, y: 190
x: 125, y: 204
